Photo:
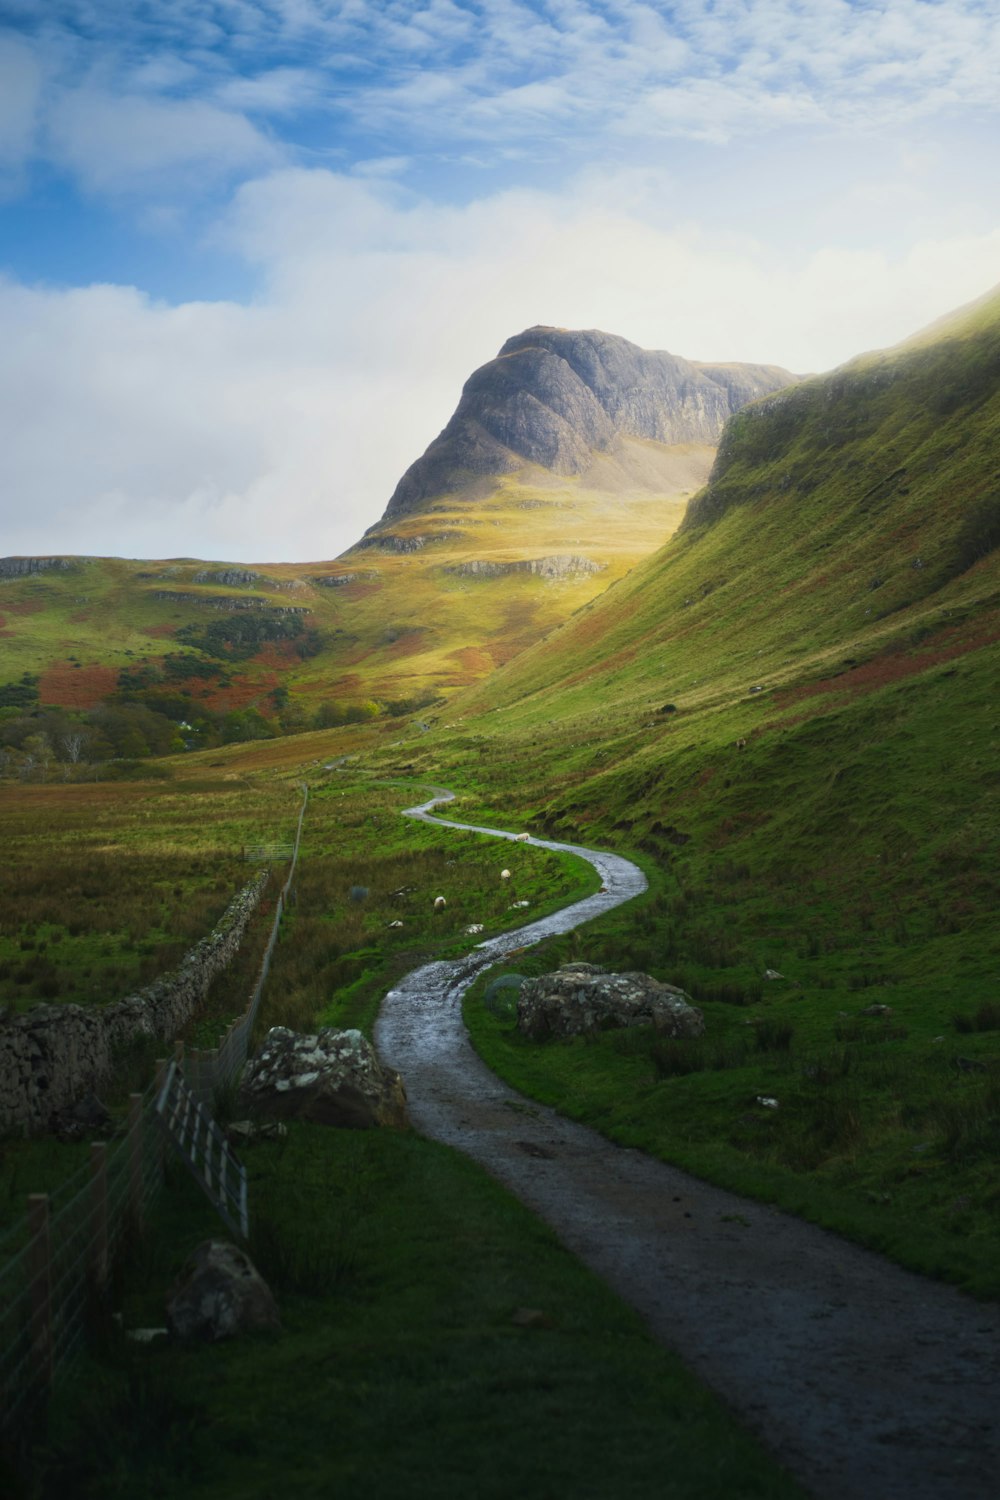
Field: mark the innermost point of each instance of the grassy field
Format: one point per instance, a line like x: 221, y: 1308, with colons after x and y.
x: 435, y: 1334
x: 376, y: 624
x: 789, y: 717
x: 104, y: 886
x: 436, y: 1338
x: 364, y: 906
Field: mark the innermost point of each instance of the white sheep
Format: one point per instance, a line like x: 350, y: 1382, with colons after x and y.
x: 504, y: 874
x: 439, y: 903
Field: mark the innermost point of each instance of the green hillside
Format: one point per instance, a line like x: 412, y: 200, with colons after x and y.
x: 403, y: 619
x: 790, y: 713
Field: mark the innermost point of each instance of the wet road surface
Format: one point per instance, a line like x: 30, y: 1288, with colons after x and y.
x: 866, y: 1381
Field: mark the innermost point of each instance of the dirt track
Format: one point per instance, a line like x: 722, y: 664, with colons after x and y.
x: 867, y: 1382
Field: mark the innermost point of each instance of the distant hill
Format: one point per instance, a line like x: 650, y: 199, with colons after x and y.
x: 613, y: 441
x: 556, y: 397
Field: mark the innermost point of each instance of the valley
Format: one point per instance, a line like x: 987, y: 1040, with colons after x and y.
x: 778, y: 694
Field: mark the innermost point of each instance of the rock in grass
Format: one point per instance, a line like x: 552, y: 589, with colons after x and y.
x: 580, y: 998
x: 219, y: 1295
x: 332, y: 1078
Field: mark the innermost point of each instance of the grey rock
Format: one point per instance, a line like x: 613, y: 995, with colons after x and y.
x: 580, y: 998
x: 333, y: 1078
x: 232, y: 577
x: 230, y: 603
x: 555, y: 396
x: 219, y: 1295
x: 245, y: 1132
x: 23, y: 567
x: 551, y: 568
x: 341, y: 580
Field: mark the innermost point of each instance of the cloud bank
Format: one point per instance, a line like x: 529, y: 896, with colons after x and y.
x: 277, y: 431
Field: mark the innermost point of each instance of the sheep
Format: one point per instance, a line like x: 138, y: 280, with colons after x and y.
x: 504, y: 874
x: 439, y: 903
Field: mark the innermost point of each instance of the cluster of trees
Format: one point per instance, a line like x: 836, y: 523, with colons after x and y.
x: 39, y: 743
x: 36, y: 744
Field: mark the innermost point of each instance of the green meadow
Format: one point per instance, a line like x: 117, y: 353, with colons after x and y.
x: 788, y: 716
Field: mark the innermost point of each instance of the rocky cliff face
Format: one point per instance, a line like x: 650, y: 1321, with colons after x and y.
x: 554, y: 397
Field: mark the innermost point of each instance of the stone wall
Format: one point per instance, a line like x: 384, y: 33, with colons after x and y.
x: 53, y: 1054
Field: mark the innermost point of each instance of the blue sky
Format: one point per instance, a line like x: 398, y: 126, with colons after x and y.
x: 250, y: 249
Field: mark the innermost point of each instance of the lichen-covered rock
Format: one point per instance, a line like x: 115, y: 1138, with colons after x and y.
x: 333, y: 1078
x: 581, y: 997
x: 220, y: 1294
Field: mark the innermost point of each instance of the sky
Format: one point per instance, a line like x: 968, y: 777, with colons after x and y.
x: 250, y: 250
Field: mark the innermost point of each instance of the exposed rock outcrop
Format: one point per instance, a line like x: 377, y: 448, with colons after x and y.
x: 22, y: 567
x: 231, y: 577
x: 219, y: 1295
x: 389, y: 542
x: 341, y: 580
x: 332, y: 1078
x: 230, y: 603
x: 579, y: 998
x: 554, y: 396
x: 551, y: 568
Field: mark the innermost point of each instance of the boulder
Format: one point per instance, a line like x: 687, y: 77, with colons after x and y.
x: 332, y: 1078
x: 220, y: 1294
x: 580, y: 998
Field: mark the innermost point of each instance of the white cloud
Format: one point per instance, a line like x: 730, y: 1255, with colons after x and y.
x: 279, y: 430
x: 20, y: 81
x: 117, y: 142
x: 485, y: 75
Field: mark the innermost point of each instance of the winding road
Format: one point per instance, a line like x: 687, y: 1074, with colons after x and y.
x: 866, y: 1381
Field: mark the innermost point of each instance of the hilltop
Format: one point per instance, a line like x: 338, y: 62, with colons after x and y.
x: 434, y: 597
x: 557, y: 398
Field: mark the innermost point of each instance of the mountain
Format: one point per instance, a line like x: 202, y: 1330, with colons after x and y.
x: 614, y: 440
x: 790, y: 714
x: 555, y: 397
x: 840, y: 515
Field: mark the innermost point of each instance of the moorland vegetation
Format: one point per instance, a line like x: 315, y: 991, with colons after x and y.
x: 788, y: 717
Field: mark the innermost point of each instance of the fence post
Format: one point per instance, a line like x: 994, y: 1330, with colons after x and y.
x: 179, y: 1053
x: 99, y: 1212
x: 40, y: 1283
x: 135, y: 1161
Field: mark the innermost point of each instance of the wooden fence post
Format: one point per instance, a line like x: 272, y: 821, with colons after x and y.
x: 40, y: 1284
x: 99, y: 1212
x: 135, y: 1160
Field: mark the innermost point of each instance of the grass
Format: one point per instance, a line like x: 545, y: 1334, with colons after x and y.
x: 406, y: 627
x: 104, y: 887
x: 338, y: 954
x: 405, y: 1365
x: 790, y: 714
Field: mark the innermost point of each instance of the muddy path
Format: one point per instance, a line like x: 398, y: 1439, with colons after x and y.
x: 866, y: 1381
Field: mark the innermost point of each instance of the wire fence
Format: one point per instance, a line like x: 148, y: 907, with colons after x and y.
x: 55, y: 1277
x: 211, y: 1070
x: 204, y: 1150
x: 57, y: 1262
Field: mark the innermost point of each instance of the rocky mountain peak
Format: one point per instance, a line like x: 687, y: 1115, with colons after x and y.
x: 556, y: 397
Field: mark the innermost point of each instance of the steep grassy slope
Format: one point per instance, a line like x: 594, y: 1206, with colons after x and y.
x: 791, y: 713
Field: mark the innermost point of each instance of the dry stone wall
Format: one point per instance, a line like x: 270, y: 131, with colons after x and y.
x: 53, y: 1054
